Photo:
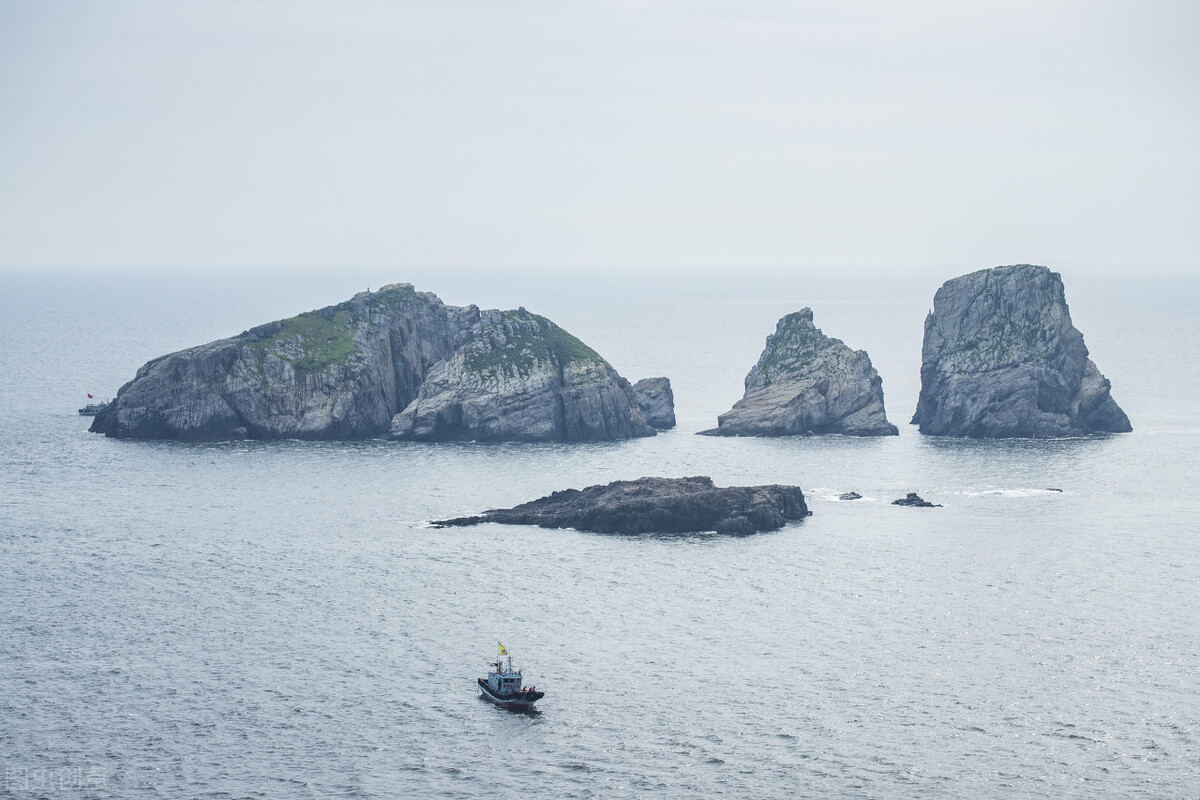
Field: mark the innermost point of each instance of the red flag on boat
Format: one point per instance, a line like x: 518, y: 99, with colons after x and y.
x: 90, y: 397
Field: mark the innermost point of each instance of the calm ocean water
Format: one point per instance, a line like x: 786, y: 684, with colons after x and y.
x: 276, y: 619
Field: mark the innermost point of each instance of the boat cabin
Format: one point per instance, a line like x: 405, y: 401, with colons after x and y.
x: 502, y: 680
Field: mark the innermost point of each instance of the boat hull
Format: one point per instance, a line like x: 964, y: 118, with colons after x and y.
x: 519, y: 701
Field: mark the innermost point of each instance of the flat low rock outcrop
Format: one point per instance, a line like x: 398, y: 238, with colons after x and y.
x: 657, y: 401
x: 914, y: 500
x: 396, y: 362
x: 808, y: 383
x: 1001, y: 359
x: 656, y: 505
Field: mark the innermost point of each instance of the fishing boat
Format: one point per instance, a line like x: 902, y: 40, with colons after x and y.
x: 92, y: 409
x: 503, y: 685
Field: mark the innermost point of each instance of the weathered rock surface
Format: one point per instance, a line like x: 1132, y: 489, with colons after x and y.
x: 353, y: 369
x: 519, y: 377
x: 915, y: 501
x: 656, y: 401
x: 656, y: 505
x: 806, y: 382
x: 1002, y: 359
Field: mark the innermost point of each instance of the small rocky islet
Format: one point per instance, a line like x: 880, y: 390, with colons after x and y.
x: 914, y: 500
x: 657, y: 402
x: 395, y: 362
x: 808, y: 383
x: 655, y: 505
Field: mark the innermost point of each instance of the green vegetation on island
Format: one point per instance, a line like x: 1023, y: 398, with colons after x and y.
x: 533, y: 340
x: 313, y: 341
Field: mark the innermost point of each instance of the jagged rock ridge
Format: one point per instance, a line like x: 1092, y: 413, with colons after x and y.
x: 352, y: 370
x: 656, y: 505
x: 1001, y: 359
x: 807, y: 383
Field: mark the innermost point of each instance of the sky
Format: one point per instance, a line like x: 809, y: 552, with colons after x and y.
x: 599, y: 133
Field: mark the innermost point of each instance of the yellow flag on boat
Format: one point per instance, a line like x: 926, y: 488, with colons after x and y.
x: 503, y: 649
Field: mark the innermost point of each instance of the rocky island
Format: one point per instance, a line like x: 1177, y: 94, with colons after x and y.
x: 1001, y: 359
x: 656, y: 505
x: 397, y: 362
x: 807, y: 383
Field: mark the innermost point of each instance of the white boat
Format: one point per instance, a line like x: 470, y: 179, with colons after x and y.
x: 92, y: 409
x: 503, y: 685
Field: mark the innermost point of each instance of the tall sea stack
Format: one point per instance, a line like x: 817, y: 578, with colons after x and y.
x: 1001, y: 359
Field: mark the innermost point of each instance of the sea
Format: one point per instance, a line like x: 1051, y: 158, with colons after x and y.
x: 280, y: 620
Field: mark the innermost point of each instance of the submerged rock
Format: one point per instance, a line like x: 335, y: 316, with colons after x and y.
x: 806, y: 382
x: 912, y: 499
x: 656, y: 401
x: 1002, y: 359
x: 350, y: 370
x: 656, y: 505
x: 849, y: 496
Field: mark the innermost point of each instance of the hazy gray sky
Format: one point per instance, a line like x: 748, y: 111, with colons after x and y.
x: 599, y: 132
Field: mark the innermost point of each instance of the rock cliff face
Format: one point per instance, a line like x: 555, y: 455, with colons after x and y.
x: 1002, y: 359
x: 806, y: 382
x: 656, y: 505
x: 657, y: 401
x: 348, y: 371
x: 520, y: 377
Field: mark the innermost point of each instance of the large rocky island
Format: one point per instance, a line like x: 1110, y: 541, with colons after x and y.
x: 806, y: 383
x: 1002, y: 359
x: 397, y: 362
x: 656, y: 505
